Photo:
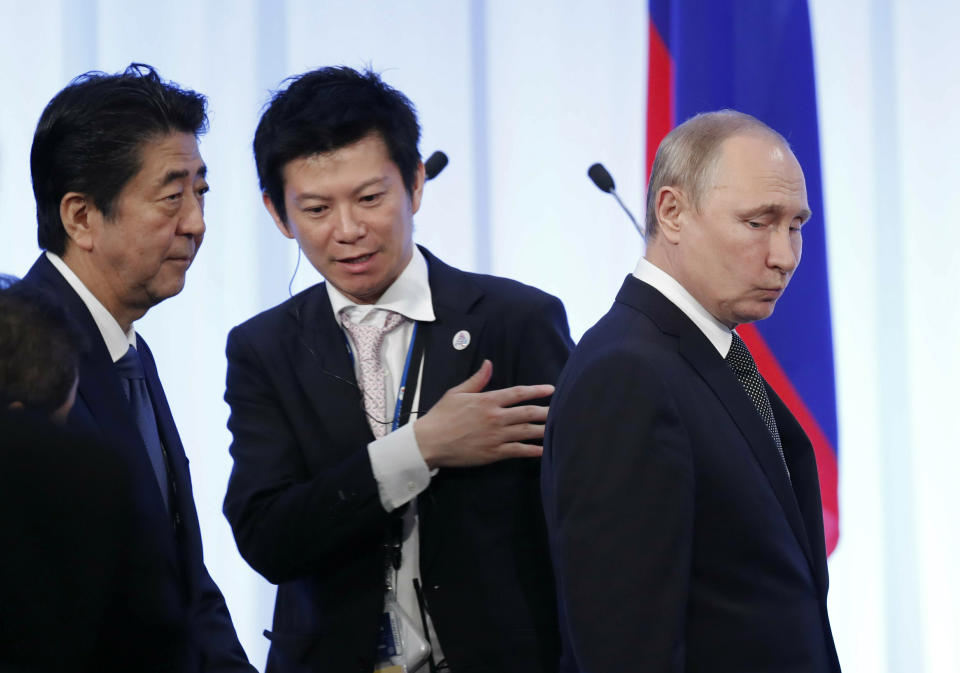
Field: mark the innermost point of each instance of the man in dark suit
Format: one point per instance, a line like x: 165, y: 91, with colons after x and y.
x: 333, y: 495
x: 72, y: 572
x: 119, y: 184
x: 680, y: 494
x: 78, y: 588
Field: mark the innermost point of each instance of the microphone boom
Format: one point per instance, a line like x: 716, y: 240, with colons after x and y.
x: 604, y: 181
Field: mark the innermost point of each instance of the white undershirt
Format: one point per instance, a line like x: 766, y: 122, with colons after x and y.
x: 719, y: 334
x: 116, y: 340
x: 397, y: 463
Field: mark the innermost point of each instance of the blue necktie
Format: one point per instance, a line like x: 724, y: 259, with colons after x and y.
x: 141, y: 408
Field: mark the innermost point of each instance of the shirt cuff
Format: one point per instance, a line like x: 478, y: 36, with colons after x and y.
x: 398, y: 467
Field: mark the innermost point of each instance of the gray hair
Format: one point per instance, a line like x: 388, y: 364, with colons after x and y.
x: 687, y: 158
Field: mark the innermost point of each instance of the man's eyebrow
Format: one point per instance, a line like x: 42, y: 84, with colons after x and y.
x: 173, y: 176
x: 368, y: 183
x: 776, y: 210
x: 304, y: 196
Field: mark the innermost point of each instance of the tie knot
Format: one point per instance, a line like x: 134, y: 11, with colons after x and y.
x: 129, y: 366
x: 739, y: 358
x: 368, y: 336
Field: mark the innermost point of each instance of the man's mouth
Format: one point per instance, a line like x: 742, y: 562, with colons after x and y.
x: 772, y: 291
x: 184, y: 257
x: 357, y: 260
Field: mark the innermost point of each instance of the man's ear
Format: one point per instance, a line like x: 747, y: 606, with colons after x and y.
x: 80, y: 219
x: 281, y: 225
x: 417, y: 192
x: 670, y: 208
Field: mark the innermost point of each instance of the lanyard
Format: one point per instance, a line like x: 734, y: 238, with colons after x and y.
x: 406, y: 393
x: 402, y: 392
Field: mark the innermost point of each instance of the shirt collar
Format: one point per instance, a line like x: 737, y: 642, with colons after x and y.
x: 117, y: 341
x: 719, y: 334
x: 409, y: 295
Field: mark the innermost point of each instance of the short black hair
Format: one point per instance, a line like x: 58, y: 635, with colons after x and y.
x: 329, y: 108
x: 90, y: 136
x: 39, y: 351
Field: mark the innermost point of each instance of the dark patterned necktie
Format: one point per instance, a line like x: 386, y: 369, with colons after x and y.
x: 134, y: 383
x: 745, y: 369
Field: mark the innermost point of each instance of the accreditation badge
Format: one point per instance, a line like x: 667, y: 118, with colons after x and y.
x: 401, y: 648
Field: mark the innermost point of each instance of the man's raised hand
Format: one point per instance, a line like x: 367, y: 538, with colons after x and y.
x: 469, y: 427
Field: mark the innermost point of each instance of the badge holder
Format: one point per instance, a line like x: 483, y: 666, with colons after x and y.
x: 401, y: 648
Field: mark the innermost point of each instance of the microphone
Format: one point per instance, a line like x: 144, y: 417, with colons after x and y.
x: 604, y: 182
x: 601, y: 178
x: 436, y: 163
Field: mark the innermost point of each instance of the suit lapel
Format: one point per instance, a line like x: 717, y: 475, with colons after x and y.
x: 703, y: 357
x: 800, y: 457
x: 454, y: 297
x: 324, y: 368
x: 165, y: 424
x: 177, y: 464
x: 185, y: 527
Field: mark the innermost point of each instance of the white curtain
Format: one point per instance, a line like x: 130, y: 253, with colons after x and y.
x: 523, y: 97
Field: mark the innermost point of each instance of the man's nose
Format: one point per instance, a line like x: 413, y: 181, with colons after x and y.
x: 785, y: 249
x: 349, y: 228
x: 192, y: 223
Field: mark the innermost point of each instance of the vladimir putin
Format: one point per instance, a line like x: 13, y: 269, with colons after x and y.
x: 681, y: 495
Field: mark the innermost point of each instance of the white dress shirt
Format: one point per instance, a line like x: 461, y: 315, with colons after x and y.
x: 117, y: 341
x: 719, y: 334
x: 397, y: 463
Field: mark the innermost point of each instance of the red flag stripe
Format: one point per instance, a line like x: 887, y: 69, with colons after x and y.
x: 659, y: 95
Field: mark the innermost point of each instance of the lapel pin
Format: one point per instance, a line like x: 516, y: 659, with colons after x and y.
x: 461, y: 339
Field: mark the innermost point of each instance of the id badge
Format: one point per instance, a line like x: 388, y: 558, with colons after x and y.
x: 400, y: 646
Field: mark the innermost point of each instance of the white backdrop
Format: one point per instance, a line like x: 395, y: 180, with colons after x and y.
x: 523, y: 97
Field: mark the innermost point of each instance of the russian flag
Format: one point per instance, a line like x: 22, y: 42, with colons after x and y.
x: 756, y: 56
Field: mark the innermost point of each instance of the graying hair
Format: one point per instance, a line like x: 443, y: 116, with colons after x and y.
x: 687, y: 158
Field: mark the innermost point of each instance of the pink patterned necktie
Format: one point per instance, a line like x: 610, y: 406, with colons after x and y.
x: 368, y: 341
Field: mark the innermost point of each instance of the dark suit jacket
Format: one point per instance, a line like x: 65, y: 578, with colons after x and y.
x: 678, y: 541
x: 77, y: 590
x: 304, y: 505
x: 100, y: 412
